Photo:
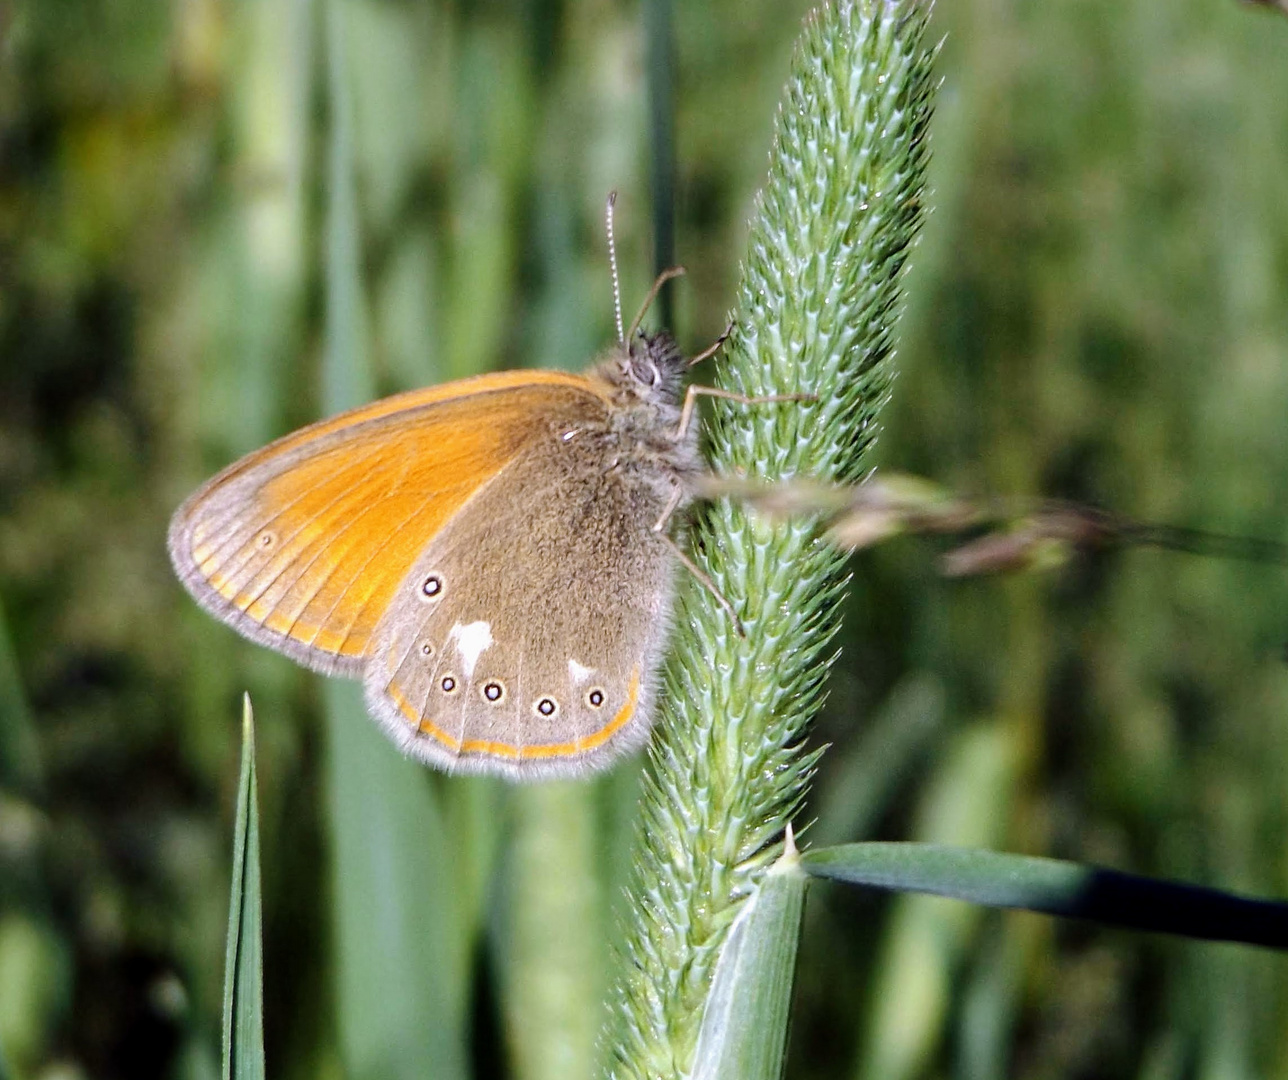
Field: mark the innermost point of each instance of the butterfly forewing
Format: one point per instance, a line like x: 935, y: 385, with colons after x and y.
x: 303, y: 545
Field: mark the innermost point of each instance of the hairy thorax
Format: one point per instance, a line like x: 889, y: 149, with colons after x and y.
x: 640, y: 437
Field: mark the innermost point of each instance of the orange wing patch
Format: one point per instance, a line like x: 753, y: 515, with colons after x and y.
x: 310, y: 538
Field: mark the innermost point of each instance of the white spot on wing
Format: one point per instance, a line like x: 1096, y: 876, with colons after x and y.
x: 577, y: 673
x: 472, y: 640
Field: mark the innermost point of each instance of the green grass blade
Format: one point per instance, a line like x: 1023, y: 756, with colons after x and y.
x: 992, y: 997
x: 243, y: 1041
x: 1056, y: 887
x: 965, y: 802
x: 556, y: 951
x: 862, y: 783
x: 494, y: 123
x: 347, y: 378
x: 403, y: 937
x: 744, y: 1027
x: 401, y: 966
x: 660, y: 35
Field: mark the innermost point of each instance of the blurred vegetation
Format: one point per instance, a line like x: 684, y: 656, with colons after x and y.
x: 1096, y: 311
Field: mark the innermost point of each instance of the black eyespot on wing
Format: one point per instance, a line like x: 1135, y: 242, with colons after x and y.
x: 426, y: 649
x: 448, y: 684
x: 595, y: 698
x: 493, y: 691
x: 432, y: 587
x: 546, y: 706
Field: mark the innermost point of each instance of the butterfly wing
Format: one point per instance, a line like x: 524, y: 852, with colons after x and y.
x: 527, y: 636
x: 302, y: 546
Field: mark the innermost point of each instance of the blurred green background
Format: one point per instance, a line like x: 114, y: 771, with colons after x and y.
x: 189, y: 193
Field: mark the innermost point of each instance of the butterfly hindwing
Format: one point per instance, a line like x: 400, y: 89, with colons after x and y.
x: 526, y: 637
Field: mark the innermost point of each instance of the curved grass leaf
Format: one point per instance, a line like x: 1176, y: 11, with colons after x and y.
x: 744, y: 1026
x: 243, y: 1039
x: 1055, y: 887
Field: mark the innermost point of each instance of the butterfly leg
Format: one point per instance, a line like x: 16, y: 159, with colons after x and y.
x: 677, y: 493
x: 713, y: 348
x: 704, y: 579
x: 694, y: 392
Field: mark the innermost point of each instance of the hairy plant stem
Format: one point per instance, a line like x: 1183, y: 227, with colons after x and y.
x: 817, y: 303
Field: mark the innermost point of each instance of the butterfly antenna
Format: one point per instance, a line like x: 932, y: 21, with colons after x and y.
x: 612, y: 262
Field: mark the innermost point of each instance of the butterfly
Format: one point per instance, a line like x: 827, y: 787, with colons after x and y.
x: 490, y: 556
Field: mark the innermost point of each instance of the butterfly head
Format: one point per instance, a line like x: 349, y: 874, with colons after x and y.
x: 652, y: 368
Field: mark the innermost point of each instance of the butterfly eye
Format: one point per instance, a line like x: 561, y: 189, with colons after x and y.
x: 546, y: 706
x: 432, y: 586
x: 595, y: 698
x: 493, y: 691
x: 448, y: 684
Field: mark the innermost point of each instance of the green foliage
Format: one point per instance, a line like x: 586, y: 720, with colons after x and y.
x: 404, y: 925
x: 1094, y: 312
